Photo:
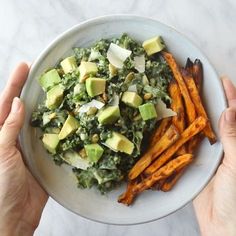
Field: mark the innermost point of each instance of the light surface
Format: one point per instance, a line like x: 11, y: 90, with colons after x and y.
x: 60, y: 183
x: 31, y: 25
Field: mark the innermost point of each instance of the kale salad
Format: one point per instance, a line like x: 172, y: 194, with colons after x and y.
x: 101, y: 105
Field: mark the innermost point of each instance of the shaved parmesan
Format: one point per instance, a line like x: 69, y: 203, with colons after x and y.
x: 116, y: 55
x: 163, y: 111
x: 75, y: 160
x: 132, y: 88
x: 115, y: 100
x: 139, y: 63
x: 109, y: 147
x: 93, y: 103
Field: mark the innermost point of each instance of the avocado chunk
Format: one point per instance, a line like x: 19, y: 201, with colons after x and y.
x: 50, y: 142
x: 74, y: 159
x: 70, y: 125
x: 49, y: 79
x: 86, y: 69
x: 153, y: 45
x: 147, y: 111
x: 68, y: 64
x: 94, y: 152
x: 95, y: 86
x: 131, y: 99
x: 109, y: 115
x: 120, y: 143
x: 54, y: 97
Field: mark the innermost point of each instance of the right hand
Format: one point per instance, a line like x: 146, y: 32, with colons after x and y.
x: 216, y: 205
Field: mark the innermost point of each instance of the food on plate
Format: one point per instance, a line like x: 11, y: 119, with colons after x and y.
x: 123, y: 110
x: 100, y: 106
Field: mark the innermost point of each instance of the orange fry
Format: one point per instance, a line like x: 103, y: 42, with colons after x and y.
x: 197, y: 126
x: 190, y: 110
x: 164, y: 172
x: 209, y: 133
x: 197, y: 74
x: 159, y: 132
x: 170, y: 136
x: 178, y: 107
x: 173, y: 179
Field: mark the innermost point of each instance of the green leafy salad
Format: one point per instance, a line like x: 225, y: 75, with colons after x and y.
x: 101, y: 105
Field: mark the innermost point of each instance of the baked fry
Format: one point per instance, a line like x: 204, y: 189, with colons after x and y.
x: 197, y: 74
x: 194, y: 142
x: 209, y: 133
x: 159, y: 132
x: 197, y: 126
x: 170, y: 136
x: 189, y: 66
x: 178, y: 107
x: 173, y: 179
x: 125, y: 197
x: 164, y: 172
x: 190, y: 109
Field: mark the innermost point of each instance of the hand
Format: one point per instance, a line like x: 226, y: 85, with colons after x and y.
x: 21, y: 197
x: 216, y: 206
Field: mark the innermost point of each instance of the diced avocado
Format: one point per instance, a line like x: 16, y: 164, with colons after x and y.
x: 109, y: 115
x: 86, y: 69
x: 54, y: 97
x: 147, y: 111
x: 50, y: 142
x: 49, y: 79
x: 69, y: 64
x: 74, y: 159
x: 132, y: 99
x: 70, y: 125
x: 95, y: 86
x: 94, y: 152
x: 153, y: 45
x: 119, y: 142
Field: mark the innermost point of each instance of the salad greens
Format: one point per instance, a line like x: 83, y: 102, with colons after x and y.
x: 94, y: 116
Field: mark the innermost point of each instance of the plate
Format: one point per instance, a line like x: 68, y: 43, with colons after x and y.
x: 60, y: 183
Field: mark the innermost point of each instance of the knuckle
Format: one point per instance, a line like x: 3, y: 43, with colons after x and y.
x: 230, y: 132
x: 11, y: 122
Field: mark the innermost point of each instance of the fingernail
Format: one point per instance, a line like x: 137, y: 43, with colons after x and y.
x: 16, y: 104
x: 230, y: 115
x: 224, y: 77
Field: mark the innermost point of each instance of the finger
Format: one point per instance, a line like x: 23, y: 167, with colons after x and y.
x: 228, y: 137
x: 12, y: 125
x: 230, y: 91
x: 13, y: 89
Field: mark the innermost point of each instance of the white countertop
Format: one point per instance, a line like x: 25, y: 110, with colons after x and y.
x: 26, y: 27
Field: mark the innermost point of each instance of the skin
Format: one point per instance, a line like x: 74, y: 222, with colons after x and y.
x: 22, y: 199
x: 215, y: 206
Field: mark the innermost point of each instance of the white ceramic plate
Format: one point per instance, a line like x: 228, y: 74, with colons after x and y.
x: 60, y: 183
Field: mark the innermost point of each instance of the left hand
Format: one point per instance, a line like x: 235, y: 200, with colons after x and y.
x: 21, y: 198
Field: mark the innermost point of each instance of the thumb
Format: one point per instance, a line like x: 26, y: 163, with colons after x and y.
x: 228, y: 136
x: 12, y: 125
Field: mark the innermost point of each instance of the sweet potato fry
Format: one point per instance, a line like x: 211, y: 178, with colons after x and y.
x: 125, y: 197
x: 194, y: 142
x: 198, y: 74
x: 189, y: 66
x: 197, y: 126
x: 170, y: 136
x: 209, y: 133
x: 159, y: 132
x: 173, y: 179
x: 164, y: 172
x: 190, y: 109
x: 178, y: 107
